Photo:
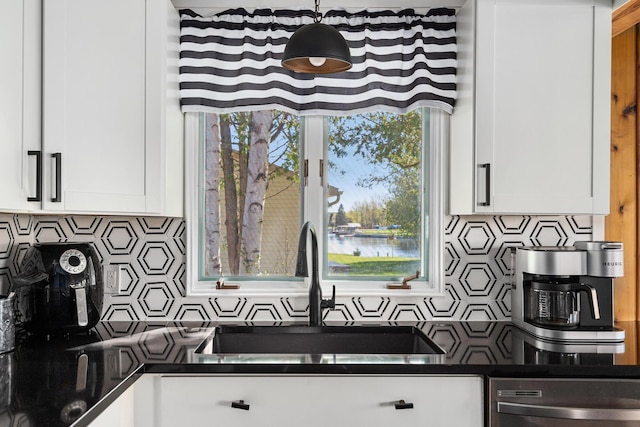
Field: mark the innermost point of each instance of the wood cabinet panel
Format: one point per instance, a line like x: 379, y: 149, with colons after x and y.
x: 622, y: 223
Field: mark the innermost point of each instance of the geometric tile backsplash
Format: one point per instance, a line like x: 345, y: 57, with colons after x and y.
x: 151, y: 253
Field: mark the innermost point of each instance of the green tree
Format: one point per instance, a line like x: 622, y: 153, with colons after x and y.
x: 404, y: 207
x: 369, y: 213
x: 341, y: 216
x: 393, y: 142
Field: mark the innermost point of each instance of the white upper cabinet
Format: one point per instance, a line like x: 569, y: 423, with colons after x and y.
x: 530, y: 130
x: 20, y: 76
x: 112, y: 126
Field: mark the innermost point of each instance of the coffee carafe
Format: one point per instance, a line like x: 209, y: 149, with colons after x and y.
x: 566, y: 293
x: 555, y: 302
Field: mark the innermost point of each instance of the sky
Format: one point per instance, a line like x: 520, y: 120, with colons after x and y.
x: 356, y: 168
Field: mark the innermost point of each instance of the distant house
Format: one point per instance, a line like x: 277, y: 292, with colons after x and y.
x: 347, y: 229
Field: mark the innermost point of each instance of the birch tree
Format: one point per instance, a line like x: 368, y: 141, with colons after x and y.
x: 256, y: 189
x: 230, y: 195
x: 236, y: 130
x: 212, y: 196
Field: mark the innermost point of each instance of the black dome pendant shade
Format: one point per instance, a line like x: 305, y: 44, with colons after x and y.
x: 316, y: 48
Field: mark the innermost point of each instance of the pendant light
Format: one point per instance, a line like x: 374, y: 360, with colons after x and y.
x: 316, y: 49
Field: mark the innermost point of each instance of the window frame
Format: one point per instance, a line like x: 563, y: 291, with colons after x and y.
x: 313, y: 210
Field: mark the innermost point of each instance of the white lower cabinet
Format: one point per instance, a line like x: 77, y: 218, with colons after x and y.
x: 120, y: 413
x: 318, y: 400
x: 133, y: 408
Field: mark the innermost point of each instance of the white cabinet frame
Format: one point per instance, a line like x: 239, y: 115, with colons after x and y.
x: 530, y: 129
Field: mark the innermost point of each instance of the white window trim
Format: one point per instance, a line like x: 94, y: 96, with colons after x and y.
x: 437, y: 183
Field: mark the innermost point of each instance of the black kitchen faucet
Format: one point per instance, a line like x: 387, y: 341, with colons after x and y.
x: 316, y: 303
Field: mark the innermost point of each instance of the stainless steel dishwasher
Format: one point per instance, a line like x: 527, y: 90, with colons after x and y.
x: 521, y: 402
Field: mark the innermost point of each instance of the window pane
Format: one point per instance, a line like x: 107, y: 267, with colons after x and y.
x: 374, y: 195
x: 251, y: 195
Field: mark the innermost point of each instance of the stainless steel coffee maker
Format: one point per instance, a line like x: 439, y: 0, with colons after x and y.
x: 565, y: 294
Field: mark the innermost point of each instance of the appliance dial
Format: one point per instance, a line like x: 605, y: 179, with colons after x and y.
x: 73, y: 261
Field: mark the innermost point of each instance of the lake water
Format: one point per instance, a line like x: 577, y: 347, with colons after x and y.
x: 372, y: 246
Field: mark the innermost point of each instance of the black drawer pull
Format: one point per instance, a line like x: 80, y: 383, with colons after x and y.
x: 58, y: 196
x: 401, y: 404
x: 487, y: 184
x: 38, y: 196
x: 239, y: 404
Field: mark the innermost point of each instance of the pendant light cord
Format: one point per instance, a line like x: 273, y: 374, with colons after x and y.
x: 318, y: 16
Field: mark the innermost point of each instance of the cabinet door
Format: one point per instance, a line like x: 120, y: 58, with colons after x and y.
x: 319, y: 400
x: 541, y: 108
x: 19, y: 103
x: 104, y: 87
x: 94, y: 104
x: 120, y: 413
x: 134, y: 407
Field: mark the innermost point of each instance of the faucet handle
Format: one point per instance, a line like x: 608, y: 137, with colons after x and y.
x: 329, y: 303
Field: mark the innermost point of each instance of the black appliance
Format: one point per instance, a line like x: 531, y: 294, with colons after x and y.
x: 59, y: 289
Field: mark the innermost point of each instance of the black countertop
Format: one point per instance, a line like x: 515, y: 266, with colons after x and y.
x: 67, y: 380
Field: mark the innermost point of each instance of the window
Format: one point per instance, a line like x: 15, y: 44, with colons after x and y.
x: 374, y: 223
x: 371, y: 184
x: 250, y: 196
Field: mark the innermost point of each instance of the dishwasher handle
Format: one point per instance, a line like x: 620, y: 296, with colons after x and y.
x: 569, y: 413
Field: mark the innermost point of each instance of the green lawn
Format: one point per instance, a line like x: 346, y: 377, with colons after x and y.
x: 377, y: 266
x: 374, y: 232
x: 367, y: 231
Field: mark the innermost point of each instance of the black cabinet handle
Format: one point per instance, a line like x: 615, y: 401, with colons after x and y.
x: 58, y: 158
x: 239, y: 404
x: 38, y: 196
x: 401, y: 404
x: 487, y: 184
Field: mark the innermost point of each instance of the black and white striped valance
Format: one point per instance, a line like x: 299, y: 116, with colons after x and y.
x: 401, y: 60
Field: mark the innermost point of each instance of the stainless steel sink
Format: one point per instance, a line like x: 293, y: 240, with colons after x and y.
x: 318, y: 340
